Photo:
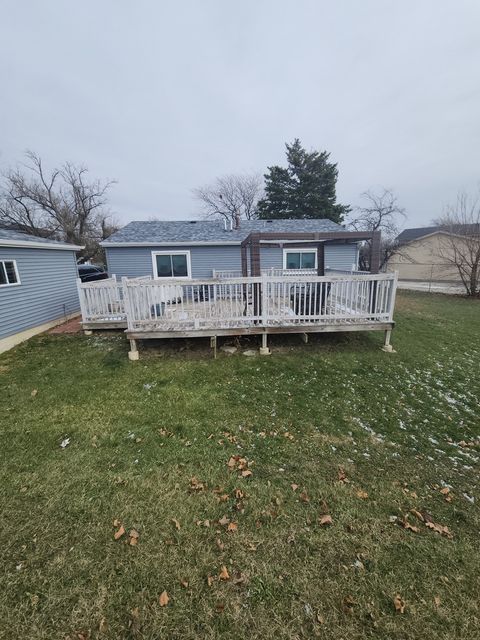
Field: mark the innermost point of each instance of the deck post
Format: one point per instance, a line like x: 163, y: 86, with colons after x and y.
x: 87, y: 332
x: 386, y: 345
x: 213, y: 345
x: 264, y: 350
x: 133, y: 353
x: 304, y: 338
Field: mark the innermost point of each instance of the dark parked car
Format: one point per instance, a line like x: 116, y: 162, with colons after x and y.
x: 89, y: 272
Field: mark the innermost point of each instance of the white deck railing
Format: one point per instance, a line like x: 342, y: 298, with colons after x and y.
x: 102, y: 301
x: 179, y: 305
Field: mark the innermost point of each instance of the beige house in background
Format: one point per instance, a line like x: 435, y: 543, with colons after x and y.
x: 421, y: 256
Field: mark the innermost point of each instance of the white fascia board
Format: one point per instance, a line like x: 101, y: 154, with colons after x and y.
x: 39, y: 245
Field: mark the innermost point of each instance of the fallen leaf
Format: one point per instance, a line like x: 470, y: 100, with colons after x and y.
x: 406, y: 525
x: 239, y: 578
x: 441, y: 529
x: 224, y: 497
x: 348, y: 604
x: 103, y: 626
x: 224, y: 575
x: 219, y: 607
x: 176, y: 523
x: 133, y: 536
x: 239, y: 494
x: 304, y: 497
x: 342, y: 476
x: 246, y: 473
x: 233, y: 526
x: 294, y: 486
x: 320, y: 619
x: 195, y: 485
x: 445, y: 491
x: 437, y: 601
x: 116, y: 523
x: 184, y: 583
x: 417, y: 514
x: 163, y: 599
x: 325, y: 520
x: 232, y: 462
x: 224, y: 521
x: 219, y: 544
x: 210, y: 580
x: 363, y: 495
x: 399, y: 604
x: 34, y: 393
x: 119, y: 533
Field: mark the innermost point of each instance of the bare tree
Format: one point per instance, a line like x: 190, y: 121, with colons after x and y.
x: 460, y: 245
x: 381, y: 212
x: 231, y: 197
x: 61, y: 204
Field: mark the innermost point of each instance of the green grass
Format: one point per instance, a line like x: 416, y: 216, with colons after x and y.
x: 140, y: 431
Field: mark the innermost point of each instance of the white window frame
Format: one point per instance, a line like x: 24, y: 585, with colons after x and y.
x: 171, y: 253
x: 17, y: 275
x: 292, y: 250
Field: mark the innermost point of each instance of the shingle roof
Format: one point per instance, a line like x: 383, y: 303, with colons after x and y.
x: 208, y: 231
x: 409, y: 235
x: 8, y: 237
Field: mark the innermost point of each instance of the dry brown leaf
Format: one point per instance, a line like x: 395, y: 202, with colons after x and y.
x: 445, y: 491
x: 184, y: 583
x: 294, y: 486
x: 232, y: 462
x: 224, y: 521
x: 224, y: 497
x: 348, y: 604
x: 320, y: 618
x: 406, y: 525
x: 163, y: 600
x: 342, y: 476
x: 133, y: 536
x: 439, y: 528
x: 437, y: 601
x: 242, y: 463
x: 399, y: 604
x: 239, y: 494
x: 233, y: 526
x: 219, y: 544
x: 118, y: 534
x: 176, y: 523
x: 417, y: 514
x: 363, y: 495
x: 210, y: 580
x: 304, y: 497
x: 34, y: 393
x: 246, y: 473
x: 195, y: 485
x: 116, y: 523
x: 103, y: 626
x: 325, y: 520
x: 224, y: 575
x: 239, y: 578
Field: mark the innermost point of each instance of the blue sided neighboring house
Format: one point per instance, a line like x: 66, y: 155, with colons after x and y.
x: 38, y: 287
x: 200, y: 248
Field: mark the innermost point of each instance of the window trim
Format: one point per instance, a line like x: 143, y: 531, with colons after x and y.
x: 171, y: 253
x: 17, y: 275
x: 292, y: 250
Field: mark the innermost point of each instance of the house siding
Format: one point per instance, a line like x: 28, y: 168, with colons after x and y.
x: 48, y: 289
x: 132, y: 262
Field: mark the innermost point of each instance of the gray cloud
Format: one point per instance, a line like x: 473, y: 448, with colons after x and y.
x: 166, y: 96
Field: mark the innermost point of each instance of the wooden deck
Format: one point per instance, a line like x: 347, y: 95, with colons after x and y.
x: 151, y: 308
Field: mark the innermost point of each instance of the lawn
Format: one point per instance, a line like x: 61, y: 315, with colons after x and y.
x: 329, y: 490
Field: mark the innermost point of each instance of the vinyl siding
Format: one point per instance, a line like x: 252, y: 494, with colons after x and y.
x: 48, y: 289
x: 337, y: 256
x: 133, y: 262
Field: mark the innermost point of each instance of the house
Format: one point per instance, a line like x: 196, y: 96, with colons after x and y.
x: 202, y: 249
x: 201, y: 278
x: 37, y: 285
x: 422, y: 255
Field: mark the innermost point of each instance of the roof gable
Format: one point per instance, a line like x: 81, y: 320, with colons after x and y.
x: 11, y: 238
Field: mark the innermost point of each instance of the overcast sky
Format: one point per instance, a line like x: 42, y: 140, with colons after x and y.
x: 165, y: 96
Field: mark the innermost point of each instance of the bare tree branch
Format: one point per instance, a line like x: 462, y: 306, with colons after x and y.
x: 231, y: 196
x: 380, y: 213
x: 460, y: 243
x: 61, y: 204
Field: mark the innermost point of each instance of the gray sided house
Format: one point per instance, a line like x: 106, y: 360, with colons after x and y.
x: 198, y: 248
x: 37, y: 285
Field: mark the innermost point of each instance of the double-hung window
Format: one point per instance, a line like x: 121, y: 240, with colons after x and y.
x: 171, y: 264
x: 299, y: 259
x: 8, y: 273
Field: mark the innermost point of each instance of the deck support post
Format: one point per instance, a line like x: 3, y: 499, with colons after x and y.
x: 386, y: 345
x: 264, y: 350
x: 133, y: 353
x: 213, y: 344
x: 87, y: 332
x: 304, y: 338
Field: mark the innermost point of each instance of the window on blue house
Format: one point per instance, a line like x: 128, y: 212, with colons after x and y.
x: 8, y: 273
x: 171, y: 265
x: 299, y: 259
